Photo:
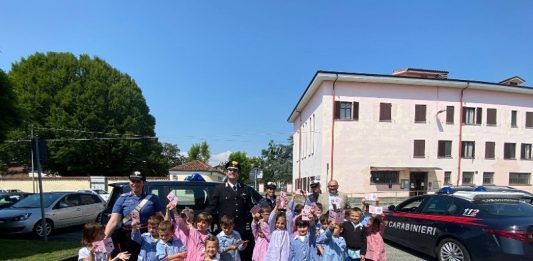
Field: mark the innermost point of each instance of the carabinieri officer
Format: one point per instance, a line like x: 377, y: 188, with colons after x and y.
x: 146, y: 204
x: 236, y: 199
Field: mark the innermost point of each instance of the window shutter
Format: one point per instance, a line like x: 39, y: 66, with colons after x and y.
x: 489, y: 150
x: 355, y: 112
x: 491, y: 116
x: 419, y: 148
x: 529, y: 119
x: 449, y: 114
x: 420, y: 113
x: 337, y: 109
x: 479, y: 114
x: 385, y: 111
x: 441, y: 149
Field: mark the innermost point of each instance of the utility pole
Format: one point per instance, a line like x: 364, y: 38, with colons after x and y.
x: 35, y: 147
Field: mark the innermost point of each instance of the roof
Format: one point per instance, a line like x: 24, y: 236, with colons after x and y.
x: 321, y: 76
x: 195, y: 165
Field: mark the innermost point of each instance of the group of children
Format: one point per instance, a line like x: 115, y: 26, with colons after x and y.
x: 280, y: 234
x: 293, y: 235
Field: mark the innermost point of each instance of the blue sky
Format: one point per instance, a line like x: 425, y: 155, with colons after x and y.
x: 230, y: 72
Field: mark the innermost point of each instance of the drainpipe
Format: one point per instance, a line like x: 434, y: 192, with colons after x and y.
x: 460, y: 134
x: 300, y: 152
x: 333, y: 126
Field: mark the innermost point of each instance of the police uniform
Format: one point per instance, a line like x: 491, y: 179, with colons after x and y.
x: 126, y: 203
x: 236, y: 202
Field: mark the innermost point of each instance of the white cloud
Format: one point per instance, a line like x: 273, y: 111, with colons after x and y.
x: 219, y: 157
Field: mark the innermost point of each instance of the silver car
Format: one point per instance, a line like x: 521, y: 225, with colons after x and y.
x: 62, y: 209
x: 100, y: 192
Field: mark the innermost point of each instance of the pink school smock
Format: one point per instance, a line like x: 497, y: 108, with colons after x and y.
x: 261, y: 242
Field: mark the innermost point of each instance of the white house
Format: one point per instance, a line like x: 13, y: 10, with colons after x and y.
x: 415, y: 130
x: 180, y: 172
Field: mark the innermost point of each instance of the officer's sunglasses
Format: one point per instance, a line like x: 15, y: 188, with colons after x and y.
x: 233, y: 169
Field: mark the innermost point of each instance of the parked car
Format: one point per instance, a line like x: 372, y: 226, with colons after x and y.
x: 192, y: 194
x: 10, y: 198
x: 100, y: 192
x: 465, y: 225
x: 62, y: 209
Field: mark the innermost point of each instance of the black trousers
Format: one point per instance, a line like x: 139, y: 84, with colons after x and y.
x: 123, y: 242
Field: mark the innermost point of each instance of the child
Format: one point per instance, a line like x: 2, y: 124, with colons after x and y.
x: 354, y: 234
x: 195, y: 236
x: 334, y: 246
x: 93, y: 232
x: 148, y: 240
x: 261, y: 231
x: 169, y: 247
x: 211, y: 249
x: 375, y: 250
x: 230, y: 240
x: 303, y: 246
x: 280, y: 225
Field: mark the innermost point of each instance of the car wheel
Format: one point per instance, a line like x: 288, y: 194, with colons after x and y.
x: 451, y: 250
x: 38, y: 228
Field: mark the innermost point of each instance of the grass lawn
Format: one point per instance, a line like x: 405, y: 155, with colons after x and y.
x: 36, y: 249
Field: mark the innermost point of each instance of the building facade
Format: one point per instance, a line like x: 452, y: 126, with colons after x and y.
x: 412, y: 132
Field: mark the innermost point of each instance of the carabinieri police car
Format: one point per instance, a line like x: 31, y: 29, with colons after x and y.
x: 466, y: 225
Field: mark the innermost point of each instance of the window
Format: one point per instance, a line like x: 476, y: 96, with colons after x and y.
x: 384, y: 177
x: 513, y: 119
x: 445, y: 149
x: 346, y: 110
x: 449, y: 114
x: 440, y: 205
x: 447, y: 178
x: 468, y: 150
x: 529, y: 119
x: 385, y: 111
x: 488, y: 178
x: 420, y: 113
x: 509, y: 150
x: 491, y: 117
x: 516, y: 178
x: 410, y: 205
x: 419, y: 148
x: 489, y: 149
x: 468, y: 178
x: 472, y: 115
x: 343, y: 110
x: 193, y: 197
x: 525, y: 151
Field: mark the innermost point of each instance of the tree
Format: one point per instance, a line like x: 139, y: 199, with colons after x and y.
x: 277, y: 162
x: 199, y: 152
x: 8, y: 106
x: 95, y: 117
x: 172, y: 155
x: 246, y: 166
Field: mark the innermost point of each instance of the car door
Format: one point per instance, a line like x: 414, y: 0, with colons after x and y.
x: 398, y: 221
x: 437, y: 216
x: 91, y: 205
x: 67, y: 211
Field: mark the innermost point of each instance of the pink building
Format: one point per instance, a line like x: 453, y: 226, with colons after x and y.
x: 415, y: 130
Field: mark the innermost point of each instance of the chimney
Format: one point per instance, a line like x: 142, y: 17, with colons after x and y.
x: 421, y: 73
x: 513, y: 81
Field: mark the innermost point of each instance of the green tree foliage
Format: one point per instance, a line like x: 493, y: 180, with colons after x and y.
x: 277, y: 162
x: 172, y: 155
x: 246, y: 165
x: 199, y: 152
x: 9, y: 118
x: 94, y: 117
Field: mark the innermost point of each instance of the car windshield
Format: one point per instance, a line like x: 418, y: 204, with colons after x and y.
x: 509, y: 208
x: 33, y: 201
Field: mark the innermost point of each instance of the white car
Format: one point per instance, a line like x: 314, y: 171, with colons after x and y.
x: 100, y: 192
x: 62, y: 209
